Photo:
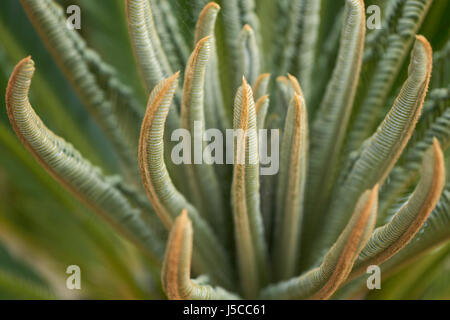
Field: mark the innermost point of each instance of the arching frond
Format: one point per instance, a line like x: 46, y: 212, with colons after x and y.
x: 176, y: 270
x: 323, y: 281
x: 382, y: 150
x: 407, y: 221
x: 74, y: 172
x: 248, y: 225
x: 209, y: 255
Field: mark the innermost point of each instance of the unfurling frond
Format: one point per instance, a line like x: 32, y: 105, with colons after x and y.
x: 249, y: 232
x: 407, y: 221
x: 328, y: 129
x: 74, y: 172
x: 382, y: 150
x: 323, y: 281
x: 209, y: 254
x: 176, y: 269
x: 110, y: 102
x: 291, y: 188
x: 202, y: 178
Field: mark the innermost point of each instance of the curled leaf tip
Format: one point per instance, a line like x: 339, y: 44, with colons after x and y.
x: 177, y: 258
x: 389, y: 239
x: 247, y: 28
x: 422, y: 57
x: 283, y: 79
x: 259, y: 103
x: 295, y: 84
x: 211, y: 5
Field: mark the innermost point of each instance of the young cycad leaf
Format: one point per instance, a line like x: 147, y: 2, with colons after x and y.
x: 287, y: 35
x: 323, y: 281
x: 307, y: 48
x: 382, y: 150
x: 434, y: 232
x: 399, y: 29
x: 392, y: 237
x: 153, y: 66
x: 237, y: 13
x: 261, y: 107
x: 202, y: 180
x: 261, y: 85
x: 173, y: 43
x: 268, y: 182
x: 209, y: 255
x: 206, y: 21
x: 249, y: 231
x: 249, y: 61
x: 152, y: 61
x: 176, y: 269
x: 328, y: 129
x: 249, y: 16
x: 290, y: 189
x: 111, y: 103
x: 215, y: 113
x: 74, y: 172
x: 325, y: 62
x: 402, y: 176
x: 284, y: 94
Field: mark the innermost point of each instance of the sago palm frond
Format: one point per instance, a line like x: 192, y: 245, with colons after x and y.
x: 356, y: 120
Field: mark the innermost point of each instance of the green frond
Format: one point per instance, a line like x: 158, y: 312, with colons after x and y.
x: 203, y: 182
x: 328, y: 128
x: 434, y: 232
x: 386, y: 50
x: 110, y: 102
x: 249, y: 61
x: 288, y: 30
x: 382, y: 150
x: 151, y: 58
x: 387, y: 240
x: 261, y: 86
x: 236, y: 14
x: 308, y: 44
x: 323, y: 281
x: 261, y: 107
x: 290, y: 189
x: 248, y: 225
x: 171, y: 36
x: 176, y: 270
x: 406, y: 172
x: 209, y: 255
x: 215, y: 114
x: 74, y: 172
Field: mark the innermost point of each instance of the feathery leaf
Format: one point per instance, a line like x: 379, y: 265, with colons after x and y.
x: 290, y: 189
x: 392, y: 237
x: 249, y: 231
x: 176, y: 270
x: 323, y: 281
x: 382, y: 150
x: 209, y: 254
x: 74, y: 172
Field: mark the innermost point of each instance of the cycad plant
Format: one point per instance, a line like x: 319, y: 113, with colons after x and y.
x: 356, y: 119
